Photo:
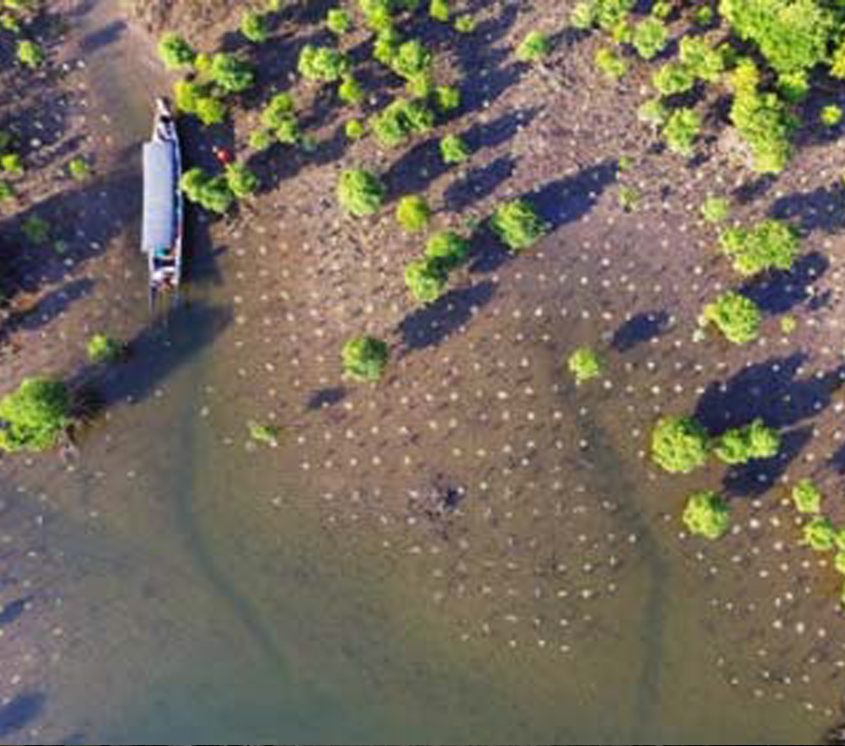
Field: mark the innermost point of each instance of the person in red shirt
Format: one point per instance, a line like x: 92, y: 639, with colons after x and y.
x: 223, y: 156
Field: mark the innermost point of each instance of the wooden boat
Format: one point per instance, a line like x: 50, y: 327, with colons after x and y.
x: 162, y: 232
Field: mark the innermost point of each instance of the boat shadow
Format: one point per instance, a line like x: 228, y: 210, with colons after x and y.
x: 154, y: 355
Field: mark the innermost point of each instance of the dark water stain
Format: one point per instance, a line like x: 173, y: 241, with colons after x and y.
x: 611, y: 475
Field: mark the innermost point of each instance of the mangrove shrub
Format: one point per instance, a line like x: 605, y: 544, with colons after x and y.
x: 679, y: 444
x: 34, y: 417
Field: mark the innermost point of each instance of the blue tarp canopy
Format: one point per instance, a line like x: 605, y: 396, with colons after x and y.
x: 159, y: 228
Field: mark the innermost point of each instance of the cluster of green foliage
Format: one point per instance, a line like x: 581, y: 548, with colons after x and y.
x: 673, y: 78
x: 767, y: 126
x: 681, y: 130
x: 34, y: 417
x: 255, y: 26
x: 413, y: 213
x: 322, y: 63
x: 740, y: 445
x: 629, y: 197
x: 426, y: 279
x: 453, y: 149
x: 447, y: 98
x: 807, y: 497
x: 365, y: 358
x: 650, y: 38
x: 585, y: 364
x: 211, y: 192
x: 707, y: 514
x: 350, y: 90
x: 716, y: 209
x: 279, y: 118
x: 735, y: 315
x: 103, y: 349
x: 517, y: 224
x: 233, y: 75
x: 700, y: 59
x: 821, y: 535
x: 354, y: 129
x: 265, y: 434
x: 78, y: 168
x: 534, y: 47
x: 465, y: 24
x: 679, y: 444
x: 360, y: 192
x: 830, y: 115
x: 11, y: 163
x: 200, y: 100
x: 606, y: 14
x: 242, y: 182
x: 339, y: 21
x: 439, y: 10
x: 448, y: 248
x: 610, y: 63
x: 770, y: 244
x: 791, y: 34
x: 653, y: 112
x: 175, y: 52
x: 30, y: 53
x: 401, y: 119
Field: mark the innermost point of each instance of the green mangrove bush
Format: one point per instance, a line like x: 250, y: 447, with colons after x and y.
x: 360, y: 192
x: 679, y: 444
x: 365, y: 358
x: 707, y: 514
x: 34, y: 417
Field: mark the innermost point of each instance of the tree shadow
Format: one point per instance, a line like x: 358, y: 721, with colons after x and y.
x: 751, y: 190
x: 485, y: 76
x: 85, y: 219
x: 643, y: 327
x: 769, y: 390
x: 500, y: 130
x: 20, y: 712
x: 559, y: 202
x: 326, y: 397
x: 757, y: 477
x: 780, y: 292
x: 416, y: 169
x: 430, y: 325
x: 12, y: 611
x: 46, y: 308
x: 821, y: 209
x: 156, y: 353
x: 109, y: 34
x: 479, y: 183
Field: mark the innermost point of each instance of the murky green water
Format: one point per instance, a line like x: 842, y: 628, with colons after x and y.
x: 183, y: 588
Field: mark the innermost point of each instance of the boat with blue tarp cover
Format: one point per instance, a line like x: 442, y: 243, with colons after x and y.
x: 161, y: 234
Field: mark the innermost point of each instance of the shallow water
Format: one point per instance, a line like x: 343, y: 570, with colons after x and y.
x: 175, y: 585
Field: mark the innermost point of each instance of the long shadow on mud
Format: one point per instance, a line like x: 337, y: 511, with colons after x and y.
x: 20, y: 712
x: 46, y: 309
x: 757, y: 477
x: 430, y: 325
x: 478, y: 183
x: 782, y: 291
x: 770, y: 391
x: 86, y: 219
x: 643, y: 327
x: 819, y: 210
x: 155, y: 354
x: 559, y: 202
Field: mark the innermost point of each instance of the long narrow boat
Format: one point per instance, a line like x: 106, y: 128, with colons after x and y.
x: 161, y: 237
